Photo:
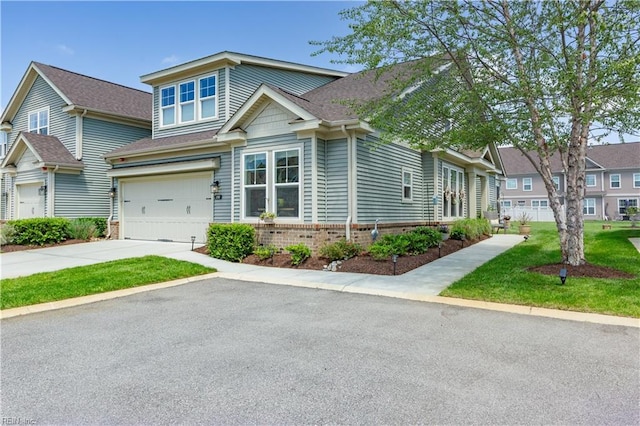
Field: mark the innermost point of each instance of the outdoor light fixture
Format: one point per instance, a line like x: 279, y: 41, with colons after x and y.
x: 42, y: 190
x: 526, y: 237
x: 215, y: 187
x: 439, y: 248
x: 462, y: 241
x: 193, y: 240
x: 563, y: 275
x: 394, y: 258
x: 112, y: 192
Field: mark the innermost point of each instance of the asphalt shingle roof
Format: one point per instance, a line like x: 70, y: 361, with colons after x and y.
x: 166, y: 142
x: 51, y: 150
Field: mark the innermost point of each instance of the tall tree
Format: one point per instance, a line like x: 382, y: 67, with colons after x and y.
x: 545, y: 77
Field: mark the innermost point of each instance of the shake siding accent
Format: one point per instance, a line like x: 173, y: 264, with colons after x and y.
x: 321, y: 173
x: 222, y: 208
x: 379, y: 183
x: 61, y: 124
x: 87, y: 194
x: 337, y: 173
x: 196, y: 126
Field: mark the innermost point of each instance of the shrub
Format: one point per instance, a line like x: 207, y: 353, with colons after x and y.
x: 82, y: 229
x: 389, y: 245
x: 231, y: 242
x: 340, y: 250
x: 100, y: 224
x: 7, y: 234
x: 265, y: 252
x: 470, y: 229
x: 380, y: 250
x: 299, y: 253
x: 422, y: 238
x: 40, y: 230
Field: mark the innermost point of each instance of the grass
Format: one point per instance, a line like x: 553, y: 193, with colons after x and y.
x: 99, y: 278
x: 506, y: 280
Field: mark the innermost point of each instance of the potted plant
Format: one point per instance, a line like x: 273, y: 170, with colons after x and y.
x: 267, y: 217
x: 525, y: 228
x: 506, y: 220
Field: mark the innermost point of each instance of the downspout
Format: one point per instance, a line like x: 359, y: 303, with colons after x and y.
x: 79, y: 136
x: 347, y: 230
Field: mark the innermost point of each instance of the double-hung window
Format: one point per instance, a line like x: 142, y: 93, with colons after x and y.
x: 407, y: 185
x: 556, y: 182
x: 39, y: 121
x: 636, y: 180
x: 540, y: 204
x: 527, y: 184
x: 512, y: 183
x: 614, y: 181
x: 168, y: 105
x: 590, y: 180
x: 624, y: 204
x: 187, y: 101
x: 589, y: 207
x: 287, y: 183
x: 255, y: 184
x: 208, y: 97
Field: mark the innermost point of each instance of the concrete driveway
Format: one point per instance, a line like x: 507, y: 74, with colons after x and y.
x: 229, y: 352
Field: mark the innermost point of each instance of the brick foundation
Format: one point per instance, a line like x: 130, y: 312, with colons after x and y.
x: 115, y: 230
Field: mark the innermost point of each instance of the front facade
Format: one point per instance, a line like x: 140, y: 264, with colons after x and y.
x: 235, y: 136
x: 612, y: 181
x: 56, y: 126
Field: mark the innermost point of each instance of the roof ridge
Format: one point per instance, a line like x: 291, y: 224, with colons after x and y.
x: 92, y: 78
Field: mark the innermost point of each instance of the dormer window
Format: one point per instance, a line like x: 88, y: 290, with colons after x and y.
x: 168, y: 106
x: 196, y: 100
x: 187, y: 101
x: 208, y: 97
x: 39, y: 121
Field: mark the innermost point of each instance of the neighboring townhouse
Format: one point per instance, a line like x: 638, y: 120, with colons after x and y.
x: 612, y: 181
x: 57, y: 125
x: 236, y: 135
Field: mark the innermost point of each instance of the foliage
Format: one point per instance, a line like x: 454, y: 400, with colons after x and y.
x: 40, y: 230
x: 231, y: 242
x: 299, y: 253
x: 414, y: 242
x: 100, y: 224
x: 470, y: 229
x: 340, y: 250
x: 267, y: 215
x: 92, y: 279
x: 265, y: 252
x: 82, y: 229
x: 524, y: 218
x: 7, y: 234
x: 544, y: 77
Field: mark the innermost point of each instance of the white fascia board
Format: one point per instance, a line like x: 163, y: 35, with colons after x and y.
x: 188, y: 166
x: 106, y: 116
x: 187, y: 146
x: 235, y: 136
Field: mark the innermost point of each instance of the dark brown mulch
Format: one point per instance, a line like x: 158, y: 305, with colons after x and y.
x: 586, y: 270
x: 15, y: 247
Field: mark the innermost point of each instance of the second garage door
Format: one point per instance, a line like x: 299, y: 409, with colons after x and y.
x: 167, y: 208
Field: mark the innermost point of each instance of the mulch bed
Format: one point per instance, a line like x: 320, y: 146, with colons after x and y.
x: 15, y: 247
x: 586, y: 270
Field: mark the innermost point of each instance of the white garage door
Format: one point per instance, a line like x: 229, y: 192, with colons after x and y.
x: 167, y: 208
x: 30, y: 202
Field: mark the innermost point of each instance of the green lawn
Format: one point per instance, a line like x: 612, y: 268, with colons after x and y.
x: 506, y: 280
x: 99, y: 278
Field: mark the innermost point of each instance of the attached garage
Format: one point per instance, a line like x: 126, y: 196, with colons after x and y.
x: 30, y: 200
x: 167, y: 207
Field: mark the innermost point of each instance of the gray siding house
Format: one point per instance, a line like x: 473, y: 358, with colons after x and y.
x: 236, y: 135
x: 57, y: 125
x: 612, y: 181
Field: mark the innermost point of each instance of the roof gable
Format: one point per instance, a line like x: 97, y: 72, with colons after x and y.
x: 48, y: 151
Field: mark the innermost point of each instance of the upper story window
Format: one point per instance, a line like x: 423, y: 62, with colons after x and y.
x: 590, y: 180
x: 407, y: 185
x: 39, y: 121
x: 3, y: 144
x: 527, y: 184
x: 614, y: 181
x: 512, y: 183
x: 196, y: 100
x: 556, y: 182
x: 636, y: 180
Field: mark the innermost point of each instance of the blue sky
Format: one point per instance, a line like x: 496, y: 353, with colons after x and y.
x: 119, y: 41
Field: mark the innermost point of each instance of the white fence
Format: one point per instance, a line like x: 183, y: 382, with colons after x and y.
x: 537, y: 214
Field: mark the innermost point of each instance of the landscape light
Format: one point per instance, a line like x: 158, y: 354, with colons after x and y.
x: 563, y: 275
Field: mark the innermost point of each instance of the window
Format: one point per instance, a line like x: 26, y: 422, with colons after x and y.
x: 39, y: 121
x: 589, y: 207
x: 506, y: 204
x: 624, y: 204
x: 590, y: 180
x: 453, y: 184
x: 197, y: 100
x: 614, y: 181
x: 3, y: 144
x: 527, y: 184
x: 407, y: 185
x: 187, y: 101
x: 636, y: 180
x: 208, y: 98
x: 512, y: 183
x: 521, y: 203
x: 168, y: 102
x: 541, y: 204
x: 279, y: 182
x: 556, y: 182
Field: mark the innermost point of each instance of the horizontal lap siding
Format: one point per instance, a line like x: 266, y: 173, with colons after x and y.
x: 222, y: 207
x: 430, y: 187
x: 337, y: 178
x: 321, y: 180
x: 380, y: 183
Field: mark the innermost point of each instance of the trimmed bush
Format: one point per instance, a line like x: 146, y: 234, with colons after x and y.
x: 470, y: 229
x: 299, y: 253
x: 40, y: 230
x: 340, y: 250
x: 233, y: 241
x: 7, y: 234
x: 100, y: 224
x: 82, y: 229
x: 265, y: 252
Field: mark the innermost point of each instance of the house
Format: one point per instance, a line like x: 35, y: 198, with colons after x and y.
x: 57, y: 125
x: 236, y: 135
x: 612, y: 180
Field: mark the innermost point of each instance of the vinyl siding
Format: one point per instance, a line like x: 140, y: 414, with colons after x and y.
x: 430, y: 190
x: 222, y: 208
x: 337, y: 181
x: 379, y: 182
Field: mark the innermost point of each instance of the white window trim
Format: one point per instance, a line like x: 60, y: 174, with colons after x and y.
x: 540, y: 202
x: 460, y: 180
x: 506, y: 204
x: 524, y: 185
x: 611, y: 181
x: 243, y: 184
x: 274, y: 185
x: 586, y: 207
x: 636, y: 180
x: 626, y: 199
x: 595, y: 181
x: 512, y: 180
x: 37, y: 112
x: 192, y: 102
x: 402, y: 184
x: 4, y: 143
x: 162, y: 108
x: 214, y: 97
x: 197, y: 102
x: 556, y: 182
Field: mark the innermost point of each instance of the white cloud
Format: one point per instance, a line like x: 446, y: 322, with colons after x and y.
x: 173, y: 59
x: 63, y: 48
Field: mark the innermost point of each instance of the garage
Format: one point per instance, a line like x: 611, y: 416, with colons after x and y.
x: 166, y: 208
x: 30, y: 200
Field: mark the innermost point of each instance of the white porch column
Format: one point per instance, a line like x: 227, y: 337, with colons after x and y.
x: 471, y: 195
x: 484, y: 197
